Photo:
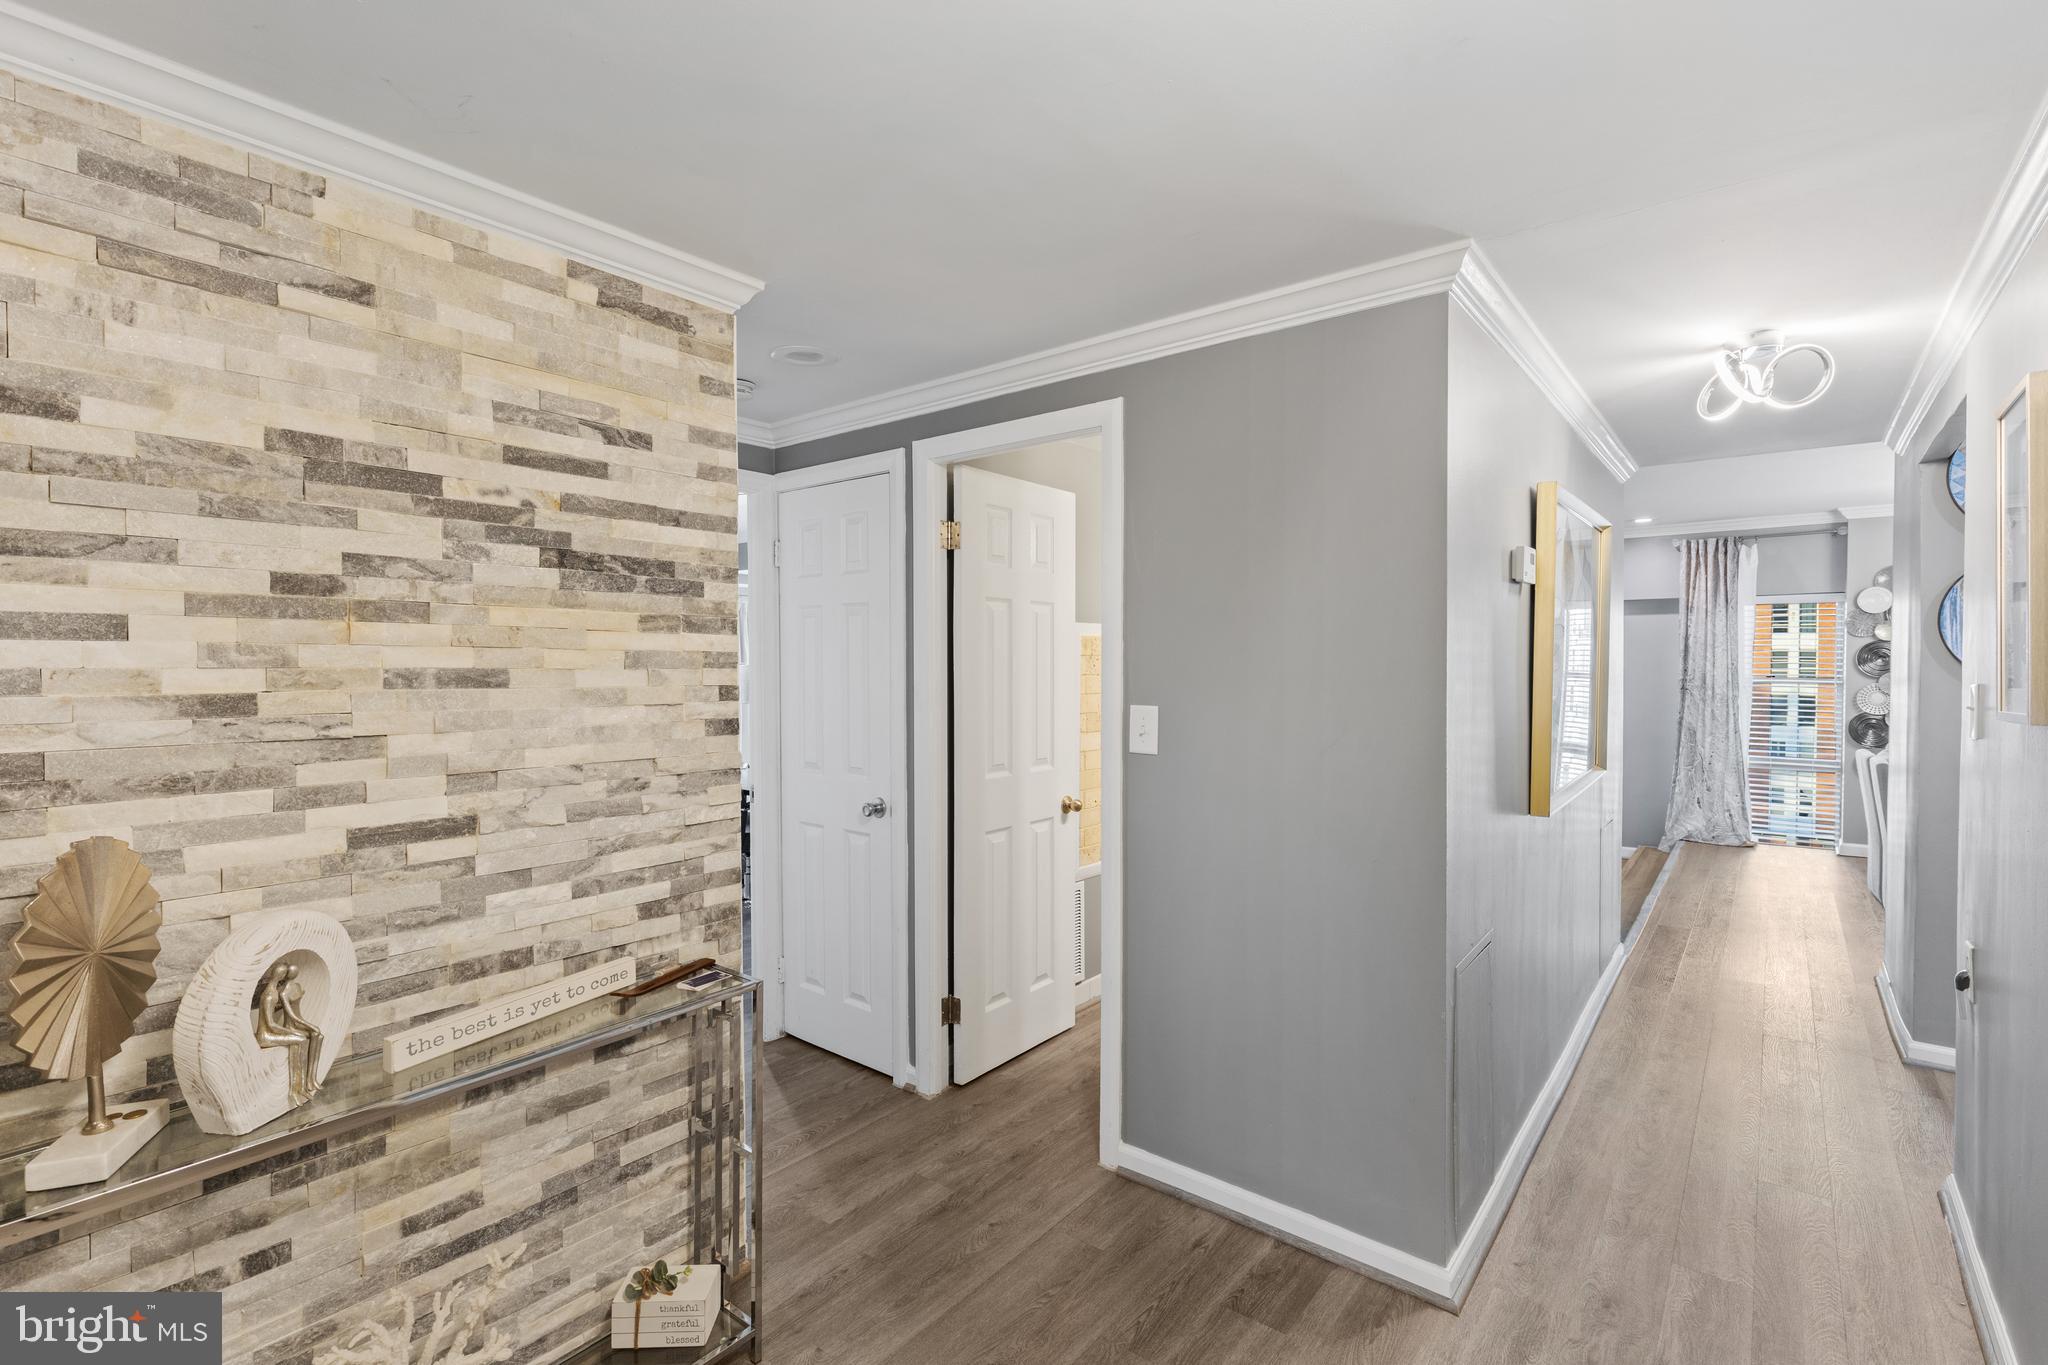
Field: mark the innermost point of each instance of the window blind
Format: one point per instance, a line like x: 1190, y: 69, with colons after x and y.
x: 1795, y: 723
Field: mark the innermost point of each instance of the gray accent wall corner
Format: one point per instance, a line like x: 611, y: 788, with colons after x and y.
x: 1284, y: 1007
x: 2001, y: 1068
x: 1542, y: 888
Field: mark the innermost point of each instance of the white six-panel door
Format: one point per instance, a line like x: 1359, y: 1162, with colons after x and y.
x: 1016, y: 755
x: 839, y: 641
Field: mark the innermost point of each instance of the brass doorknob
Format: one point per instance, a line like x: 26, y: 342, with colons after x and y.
x: 1069, y: 804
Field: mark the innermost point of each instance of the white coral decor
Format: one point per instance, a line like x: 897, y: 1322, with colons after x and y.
x: 459, y: 1334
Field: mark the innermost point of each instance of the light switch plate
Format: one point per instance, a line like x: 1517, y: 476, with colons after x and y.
x: 1979, y: 706
x: 1144, y: 729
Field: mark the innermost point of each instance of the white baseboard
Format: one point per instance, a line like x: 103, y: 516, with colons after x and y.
x: 1635, y: 931
x: 1444, y: 1285
x: 1991, y: 1329
x: 1396, y: 1267
x: 1911, y: 1051
x: 1852, y: 850
x: 1088, y: 990
x: 1628, y: 850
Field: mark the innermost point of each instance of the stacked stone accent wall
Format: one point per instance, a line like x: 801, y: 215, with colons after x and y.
x: 358, y: 560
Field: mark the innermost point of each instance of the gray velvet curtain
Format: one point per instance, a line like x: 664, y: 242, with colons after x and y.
x: 1716, y: 615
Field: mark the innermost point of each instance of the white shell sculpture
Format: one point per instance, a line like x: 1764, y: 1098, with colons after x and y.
x: 231, y: 1082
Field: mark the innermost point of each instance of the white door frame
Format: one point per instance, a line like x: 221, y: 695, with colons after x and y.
x: 767, y: 711
x: 764, y: 623
x: 931, y: 752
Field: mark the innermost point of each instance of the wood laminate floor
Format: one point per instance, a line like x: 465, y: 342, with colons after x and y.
x: 1741, y: 1171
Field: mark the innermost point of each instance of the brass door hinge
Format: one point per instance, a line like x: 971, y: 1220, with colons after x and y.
x: 949, y: 535
x: 949, y: 1009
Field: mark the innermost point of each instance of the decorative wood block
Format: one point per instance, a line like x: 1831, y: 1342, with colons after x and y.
x: 88, y: 1158
x: 423, y: 1044
x: 231, y: 1081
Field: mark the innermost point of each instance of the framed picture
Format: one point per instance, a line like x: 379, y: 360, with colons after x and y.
x: 1568, y: 661
x: 2023, y: 551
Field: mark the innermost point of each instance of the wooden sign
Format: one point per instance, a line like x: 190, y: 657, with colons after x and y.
x: 461, y: 1029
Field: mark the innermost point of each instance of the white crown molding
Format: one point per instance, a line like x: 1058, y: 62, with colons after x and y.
x: 755, y: 433
x: 1458, y: 269
x: 1780, y: 523
x: 2016, y: 218
x: 1487, y: 299
x: 1404, y: 277
x: 50, y: 49
x: 1865, y: 511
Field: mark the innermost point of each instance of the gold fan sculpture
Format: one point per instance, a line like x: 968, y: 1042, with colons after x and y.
x: 87, y: 951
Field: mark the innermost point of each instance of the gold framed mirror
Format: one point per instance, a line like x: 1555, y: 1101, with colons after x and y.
x: 1570, y: 646
x: 2022, y: 504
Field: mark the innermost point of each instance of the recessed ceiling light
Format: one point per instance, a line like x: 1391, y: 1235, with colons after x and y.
x: 1644, y: 521
x: 802, y: 355
x: 743, y: 387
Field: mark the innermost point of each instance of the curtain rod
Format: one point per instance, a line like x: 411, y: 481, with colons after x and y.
x: 1838, y: 529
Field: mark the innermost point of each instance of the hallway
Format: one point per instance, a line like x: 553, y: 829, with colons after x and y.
x: 1741, y: 1171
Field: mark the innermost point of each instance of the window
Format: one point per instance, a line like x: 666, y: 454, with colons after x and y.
x: 1795, y: 723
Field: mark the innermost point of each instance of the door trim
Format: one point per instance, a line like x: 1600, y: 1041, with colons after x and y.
x: 768, y: 708
x: 764, y: 610
x: 931, y: 752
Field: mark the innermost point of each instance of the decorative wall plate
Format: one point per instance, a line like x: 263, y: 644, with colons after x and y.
x: 1874, y: 660
x: 1882, y: 630
x: 1870, y: 732
x: 1883, y: 577
x: 1872, y: 701
x: 1948, y: 618
x: 1875, y: 599
x: 1862, y: 623
x: 1956, y: 469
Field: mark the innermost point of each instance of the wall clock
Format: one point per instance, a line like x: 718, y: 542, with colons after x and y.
x: 1949, y: 618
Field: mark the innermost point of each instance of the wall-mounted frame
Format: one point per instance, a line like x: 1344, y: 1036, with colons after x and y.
x: 2023, y: 551
x: 1569, y: 654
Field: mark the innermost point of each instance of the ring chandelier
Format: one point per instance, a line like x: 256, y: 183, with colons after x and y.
x: 1747, y: 374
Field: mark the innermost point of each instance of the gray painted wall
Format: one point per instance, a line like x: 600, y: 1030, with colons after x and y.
x: 1927, y: 742
x: 2002, y: 1085
x: 1868, y: 549
x: 1543, y: 888
x: 1650, y: 648
x: 1284, y: 1007
x: 1785, y: 565
x: 760, y: 459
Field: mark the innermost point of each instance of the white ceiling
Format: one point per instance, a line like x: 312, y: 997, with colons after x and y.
x: 929, y: 186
